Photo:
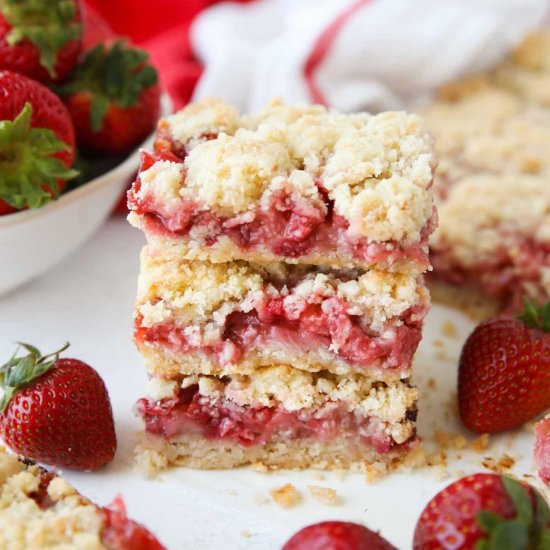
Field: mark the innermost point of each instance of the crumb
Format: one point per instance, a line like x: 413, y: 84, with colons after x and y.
x: 480, y: 444
x: 442, y: 356
x: 440, y: 473
x: 232, y: 492
x: 417, y: 458
x: 442, y: 439
x: 319, y: 476
x: 459, y: 442
x: 448, y: 329
x: 432, y: 384
x: 490, y: 463
x: 246, y: 534
x: 375, y: 471
x: 259, y: 467
x: 503, y: 465
x: 286, y: 496
x: 506, y: 461
x: 438, y: 343
x: 437, y: 459
x: 324, y: 495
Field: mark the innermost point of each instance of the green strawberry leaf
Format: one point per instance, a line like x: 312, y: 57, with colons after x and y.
x: 48, y: 24
x: 510, y: 535
x: 520, y: 498
x: 98, y: 110
x: 28, y: 171
x: 115, y: 74
x: 488, y: 521
x: 19, y: 372
x: 536, y: 317
x: 526, y: 531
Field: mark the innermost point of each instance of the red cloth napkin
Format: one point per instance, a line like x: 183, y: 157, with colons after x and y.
x: 163, y: 31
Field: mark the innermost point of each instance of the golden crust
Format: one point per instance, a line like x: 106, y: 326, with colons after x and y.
x: 154, y: 455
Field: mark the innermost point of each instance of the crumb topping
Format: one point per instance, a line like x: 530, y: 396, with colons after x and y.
x: 229, y: 174
x: 208, y: 116
x: 294, y: 390
x: 376, y: 168
x: 200, y: 292
x: 69, y: 521
x: 482, y: 210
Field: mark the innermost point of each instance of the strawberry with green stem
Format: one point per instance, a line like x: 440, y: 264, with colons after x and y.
x: 113, y: 97
x: 504, y: 371
x: 40, y: 38
x: 484, y: 512
x: 56, y: 411
x: 36, y: 143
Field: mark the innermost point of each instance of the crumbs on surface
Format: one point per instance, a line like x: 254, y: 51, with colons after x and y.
x: 448, y: 329
x: 480, y: 444
x: 324, y: 495
x: 286, y: 496
x: 501, y: 466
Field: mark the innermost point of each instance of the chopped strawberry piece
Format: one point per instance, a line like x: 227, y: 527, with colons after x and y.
x: 121, y: 533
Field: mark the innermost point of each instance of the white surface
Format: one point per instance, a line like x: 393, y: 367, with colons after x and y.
x: 88, y: 301
x: 382, y: 57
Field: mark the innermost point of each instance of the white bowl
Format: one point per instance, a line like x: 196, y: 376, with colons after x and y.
x: 33, y: 241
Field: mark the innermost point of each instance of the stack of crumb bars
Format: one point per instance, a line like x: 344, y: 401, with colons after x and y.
x: 281, y: 296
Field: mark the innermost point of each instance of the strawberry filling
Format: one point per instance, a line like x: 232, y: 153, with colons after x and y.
x: 121, y: 533
x: 542, y: 449
x: 277, y: 325
x: 287, y: 226
x: 504, y: 276
x: 192, y: 413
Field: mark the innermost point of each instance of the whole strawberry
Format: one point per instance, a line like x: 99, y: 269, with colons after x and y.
x: 337, y: 535
x: 113, y: 97
x: 36, y: 143
x: 504, y: 371
x: 40, y: 38
x: 542, y: 449
x: 484, y: 512
x: 56, y: 411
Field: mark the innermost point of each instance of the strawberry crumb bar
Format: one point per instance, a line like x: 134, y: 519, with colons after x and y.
x: 203, y: 318
x: 280, y: 416
x: 299, y: 184
x: 39, y: 509
x: 492, y: 136
x: 281, y: 295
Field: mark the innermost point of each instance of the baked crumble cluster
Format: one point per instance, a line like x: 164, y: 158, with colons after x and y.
x: 281, y: 295
x: 39, y: 509
x: 492, y: 139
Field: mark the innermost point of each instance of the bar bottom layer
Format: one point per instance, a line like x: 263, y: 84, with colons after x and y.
x: 154, y: 454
